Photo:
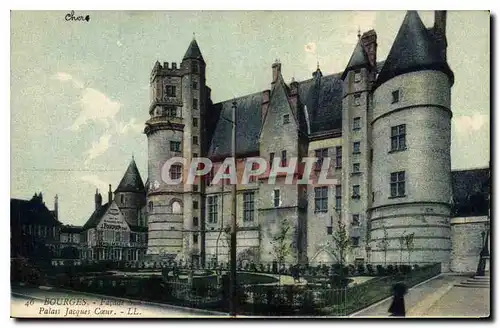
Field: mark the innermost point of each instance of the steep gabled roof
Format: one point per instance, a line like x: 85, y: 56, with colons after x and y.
x: 96, y: 217
x: 31, y: 212
x: 413, y: 49
x: 359, y: 58
x: 193, y: 51
x: 131, y: 181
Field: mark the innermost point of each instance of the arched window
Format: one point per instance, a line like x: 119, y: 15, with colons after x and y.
x: 176, y: 207
x: 150, y: 206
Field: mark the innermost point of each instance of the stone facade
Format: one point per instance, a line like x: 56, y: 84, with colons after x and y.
x: 348, y: 117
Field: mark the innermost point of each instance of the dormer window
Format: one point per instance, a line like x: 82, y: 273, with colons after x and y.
x: 357, y: 76
x: 170, y: 90
x: 395, y: 96
x: 357, y: 99
x: 286, y: 119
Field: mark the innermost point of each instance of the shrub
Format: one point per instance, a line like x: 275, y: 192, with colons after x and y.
x: 381, y: 270
x: 390, y: 269
x: 405, y: 269
x: 361, y: 269
x: 370, y: 270
x: 352, y: 270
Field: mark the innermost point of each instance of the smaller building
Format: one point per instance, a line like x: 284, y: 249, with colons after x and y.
x: 34, y: 229
x: 70, y: 242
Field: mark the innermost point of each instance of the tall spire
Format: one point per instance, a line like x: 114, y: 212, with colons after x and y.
x: 131, y: 181
x: 413, y: 50
x: 359, y: 33
x: 193, y: 51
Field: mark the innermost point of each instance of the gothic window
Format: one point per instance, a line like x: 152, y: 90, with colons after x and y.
x: 286, y: 119
x: 271, y: 160
x: 213, y: 202
x: 277, y: 198
x: 398, y: 137
x: 170, y: 90
x: 175, y: 146
x: 321, y: 199
x: 195, y: 67
x: 395, y: 96
x: 248, y: 206
x: 195, y: 103
x: 171, y: 111
x: 398, y: 184
x: 175, y: 172
x: 283, y: 158
x: 320, y: 154
x: 338, y: 157
x: 195, y: 238
x: 356, y: 123
x: 195, y: 122
x: 355, y: 220
x: 357, y: 99
x: 355, y: 191
x: 355, y: 167
x: 357, y: 76
x: 355, y: 147
x: 338, y: 197
x: 176, y: 207
x: 195, y: 204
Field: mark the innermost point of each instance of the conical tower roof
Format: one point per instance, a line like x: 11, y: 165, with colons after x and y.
x: 414, y: 49
x: 131, y: 181
x: 359, y: 58
x: 193, y: 51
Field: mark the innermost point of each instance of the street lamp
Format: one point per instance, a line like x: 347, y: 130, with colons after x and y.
x: 232, y: 275
x: 233, y: 217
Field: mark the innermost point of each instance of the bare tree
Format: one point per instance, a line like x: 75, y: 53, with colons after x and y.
x: 384, y: 245
x: 280, y: 243
x: 409, y: 245
x: 341, y: 242
x: 401, y: 246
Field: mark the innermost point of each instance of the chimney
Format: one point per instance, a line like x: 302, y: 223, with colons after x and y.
x: 369, y: 41
x: 276, y: 71
x: 294, y: 94
x: 56, y: 207
x: 110, y: 195
x: 97, y: 199
x: 440, y: 30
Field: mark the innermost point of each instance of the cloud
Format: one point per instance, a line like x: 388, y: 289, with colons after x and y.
x: 98, y: 148
x: 94, y: 180
x: 96, y: 106
x: 131, y: 126
x: 471, y: 123
x: 310, y: 47
x: 64, y: 77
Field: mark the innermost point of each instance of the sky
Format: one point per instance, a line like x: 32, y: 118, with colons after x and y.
x: 80, y: 90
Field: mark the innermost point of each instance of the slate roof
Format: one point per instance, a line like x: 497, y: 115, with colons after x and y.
x: 131, y: 181
x: 248, y: 122
x: 31, y: 212
x: 414, y: 49
x: 193, y: 51
x: 71, y: 229
x: 96, y: 217
x: 322, y: 95
x: 470, y: 192
x: 359, y: 58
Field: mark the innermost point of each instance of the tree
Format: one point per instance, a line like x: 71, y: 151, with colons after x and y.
x: 384, y: 245
x: 409, y: 245
x: 341, y: 242
x: 401, y: 246
x: 280, y: 243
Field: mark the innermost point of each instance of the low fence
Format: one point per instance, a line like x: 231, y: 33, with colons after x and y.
x: 321, y: 296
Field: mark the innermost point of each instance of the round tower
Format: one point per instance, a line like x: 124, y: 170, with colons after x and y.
x: 174, y: 130
x: 411, y: 138
x: 130, y: 194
